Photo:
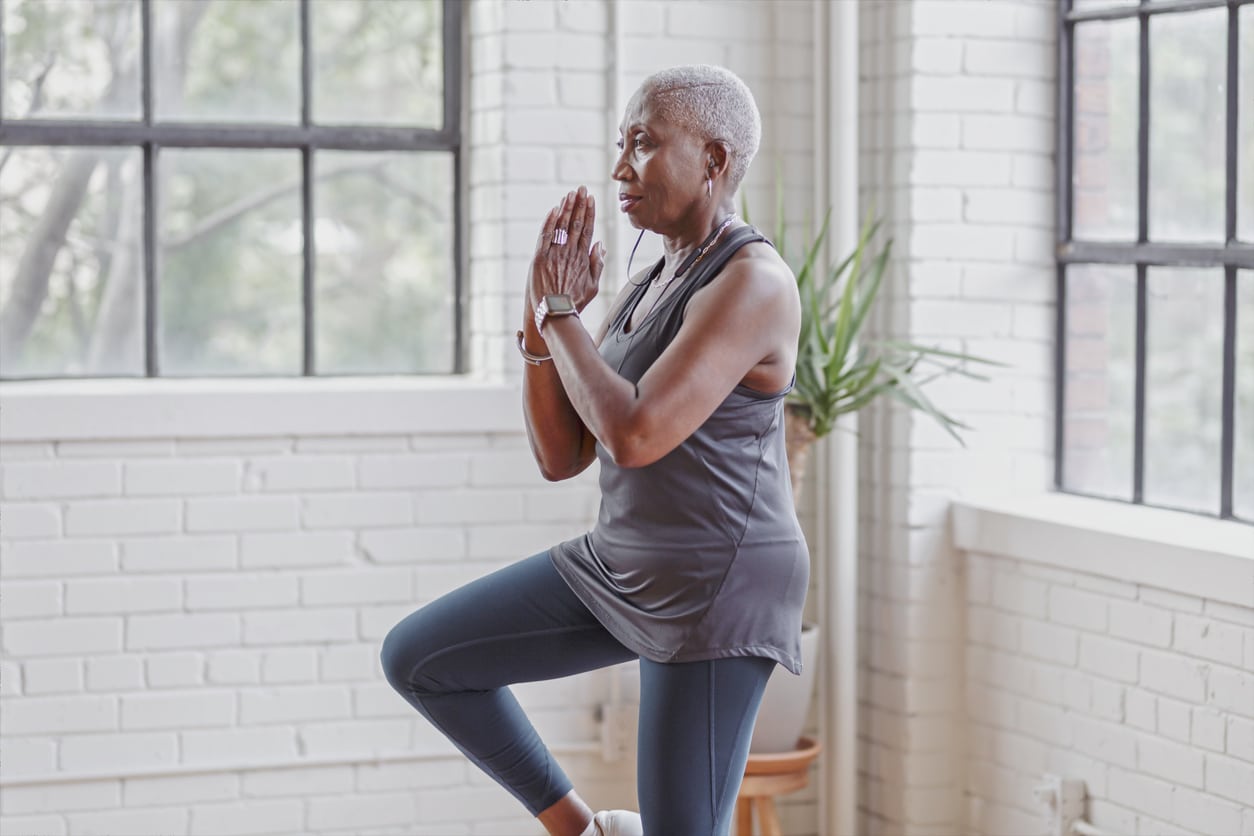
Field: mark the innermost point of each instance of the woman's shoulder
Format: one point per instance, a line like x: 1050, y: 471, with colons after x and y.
x: 759, y: 263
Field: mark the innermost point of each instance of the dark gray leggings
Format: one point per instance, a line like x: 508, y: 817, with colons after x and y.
x: 452, y: 659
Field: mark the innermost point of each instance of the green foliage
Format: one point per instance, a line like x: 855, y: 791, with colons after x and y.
x: 838, y: 370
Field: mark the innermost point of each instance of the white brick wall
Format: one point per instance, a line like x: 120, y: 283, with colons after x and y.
x: 135, y: 652
x: 1144, y: 694
x: 956, y: 143
x: 191, y: 624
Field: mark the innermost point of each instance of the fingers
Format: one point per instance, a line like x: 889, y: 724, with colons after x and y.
x: 546, y: 229
x: 596, y: 262
x: 568, y: 209
x: 580, y: 223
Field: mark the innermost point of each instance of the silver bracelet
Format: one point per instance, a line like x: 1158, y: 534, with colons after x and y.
x: 533, y: 359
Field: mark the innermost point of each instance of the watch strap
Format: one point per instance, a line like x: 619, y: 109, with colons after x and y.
x: 543, y: 313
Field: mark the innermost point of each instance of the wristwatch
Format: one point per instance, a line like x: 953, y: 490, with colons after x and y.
x: 558, y: 304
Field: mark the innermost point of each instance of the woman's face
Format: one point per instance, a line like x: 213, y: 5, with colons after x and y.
x: 661, y: 168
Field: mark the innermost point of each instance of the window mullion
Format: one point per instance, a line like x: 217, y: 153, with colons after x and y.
x: 1138, y: 432
x: 451, y: 11
x: 1064, y: 209
x: 1142, y: 136
x: 152, y: 365
x: 1230, y: 155
x: 151, y: 299
x: 1142, y: 236
x: 1227, y: 451
x: 308, y: 360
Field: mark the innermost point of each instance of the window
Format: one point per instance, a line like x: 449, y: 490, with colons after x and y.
x: 192, y: 189
x: 1155, y: 336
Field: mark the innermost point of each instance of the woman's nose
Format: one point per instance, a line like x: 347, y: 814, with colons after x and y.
x: 620, y: 169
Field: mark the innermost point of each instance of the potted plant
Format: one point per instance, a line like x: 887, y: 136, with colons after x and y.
x: 840, y: 371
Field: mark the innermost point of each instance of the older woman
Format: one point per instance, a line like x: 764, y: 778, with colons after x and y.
x: 696, y: 565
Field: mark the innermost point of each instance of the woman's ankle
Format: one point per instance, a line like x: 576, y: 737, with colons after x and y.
x: 568, y: 816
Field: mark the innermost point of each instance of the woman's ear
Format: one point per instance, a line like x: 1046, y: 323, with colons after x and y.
x: 717, y: 158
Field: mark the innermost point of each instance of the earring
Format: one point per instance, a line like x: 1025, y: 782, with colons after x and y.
x: 709, y: 187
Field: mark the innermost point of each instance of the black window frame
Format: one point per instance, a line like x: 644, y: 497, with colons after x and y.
x: 1231, y: 255
x: 151, y: 136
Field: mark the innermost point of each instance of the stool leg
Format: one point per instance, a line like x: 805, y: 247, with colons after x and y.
x: 744, y: 817
x: 768, y: 817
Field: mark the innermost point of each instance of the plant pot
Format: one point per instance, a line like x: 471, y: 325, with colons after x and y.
x: 786, y: 703
x: 799, y: 439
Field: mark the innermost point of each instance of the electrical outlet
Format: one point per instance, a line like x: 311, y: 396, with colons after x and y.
x: 618, y: 727
x: 1064, y: 799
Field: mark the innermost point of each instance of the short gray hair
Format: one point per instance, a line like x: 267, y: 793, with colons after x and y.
x: 713, y: 103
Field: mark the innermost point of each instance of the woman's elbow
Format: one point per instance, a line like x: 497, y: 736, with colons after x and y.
x: 558, y: 474
x: 631, y: 451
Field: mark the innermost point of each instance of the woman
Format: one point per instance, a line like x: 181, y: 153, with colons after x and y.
x: 696, y: 565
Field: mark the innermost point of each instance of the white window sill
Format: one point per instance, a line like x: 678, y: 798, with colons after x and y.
x: 123, y: 408
x: 1186, y: 553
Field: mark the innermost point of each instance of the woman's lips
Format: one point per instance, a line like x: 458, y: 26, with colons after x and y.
x: 627, y: 201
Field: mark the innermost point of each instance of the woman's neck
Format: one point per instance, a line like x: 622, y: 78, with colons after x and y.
x: 678, y: 245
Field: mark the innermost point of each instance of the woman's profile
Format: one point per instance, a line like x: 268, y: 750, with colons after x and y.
x: 696, y: 565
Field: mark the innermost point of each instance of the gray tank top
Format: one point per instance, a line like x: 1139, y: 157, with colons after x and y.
x: 698, y: 555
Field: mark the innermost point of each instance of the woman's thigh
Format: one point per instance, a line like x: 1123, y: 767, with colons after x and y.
x: 521, y: 623
x: 696, y: 719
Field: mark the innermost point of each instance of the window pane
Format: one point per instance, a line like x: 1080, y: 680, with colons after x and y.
x: 384, y: 242
x: 230, y: 279
x: 71, y: 58
x: 1188, y: 112
x: 1105, y: 130
x: 1243, y: 442
x: 378, y: 62
x: 227, y: 61
x: 1183, y: 387
x: 1245, y: 115
x: 71, y: 264
x: 1100, y: 380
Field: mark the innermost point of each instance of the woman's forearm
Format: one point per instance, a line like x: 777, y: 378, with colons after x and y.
x: 555, y: 431
x: 605, y: 402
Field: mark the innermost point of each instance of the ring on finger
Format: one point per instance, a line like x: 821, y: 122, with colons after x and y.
x: 560, y: 236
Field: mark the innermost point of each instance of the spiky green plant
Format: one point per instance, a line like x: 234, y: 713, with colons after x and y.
x: 838, y: 371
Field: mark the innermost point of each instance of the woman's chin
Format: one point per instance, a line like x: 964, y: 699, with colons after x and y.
x: 636, y: 221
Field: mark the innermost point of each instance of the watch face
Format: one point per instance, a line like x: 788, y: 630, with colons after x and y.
x: 559, y: 303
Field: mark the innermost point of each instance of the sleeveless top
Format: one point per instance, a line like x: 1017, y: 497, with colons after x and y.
x: 698, y: 555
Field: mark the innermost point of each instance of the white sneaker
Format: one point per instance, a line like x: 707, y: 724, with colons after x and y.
x: 616, y: 823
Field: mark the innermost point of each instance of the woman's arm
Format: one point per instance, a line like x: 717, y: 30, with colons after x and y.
x: 743, y: 325
x: 560, y: 442
x: 745, y: 321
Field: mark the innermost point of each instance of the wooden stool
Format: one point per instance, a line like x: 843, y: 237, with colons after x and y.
x: 767, y: 776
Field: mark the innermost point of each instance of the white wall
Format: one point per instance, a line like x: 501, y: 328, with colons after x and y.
x: 196, y: 576
x: 1145, y: 694
x: 956, y: 143
x: 1107, y: 676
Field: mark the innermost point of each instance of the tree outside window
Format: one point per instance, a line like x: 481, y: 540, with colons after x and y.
x: 196, y: 188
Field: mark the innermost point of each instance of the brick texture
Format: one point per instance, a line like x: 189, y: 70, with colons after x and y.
x: 186, y: 619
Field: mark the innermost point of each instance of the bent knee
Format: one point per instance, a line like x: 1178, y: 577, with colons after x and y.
x: 404, y: 654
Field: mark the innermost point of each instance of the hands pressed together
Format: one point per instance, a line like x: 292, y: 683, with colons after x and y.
x: 574, y: 266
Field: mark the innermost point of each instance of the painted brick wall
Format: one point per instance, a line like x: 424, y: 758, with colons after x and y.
x: 1144, y: 694
x: 191, y: 625
x: 956, y: 143
x: 187, y: 620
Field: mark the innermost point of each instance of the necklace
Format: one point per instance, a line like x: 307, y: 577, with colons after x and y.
x: 690, y: 261
x: 695, y: 257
